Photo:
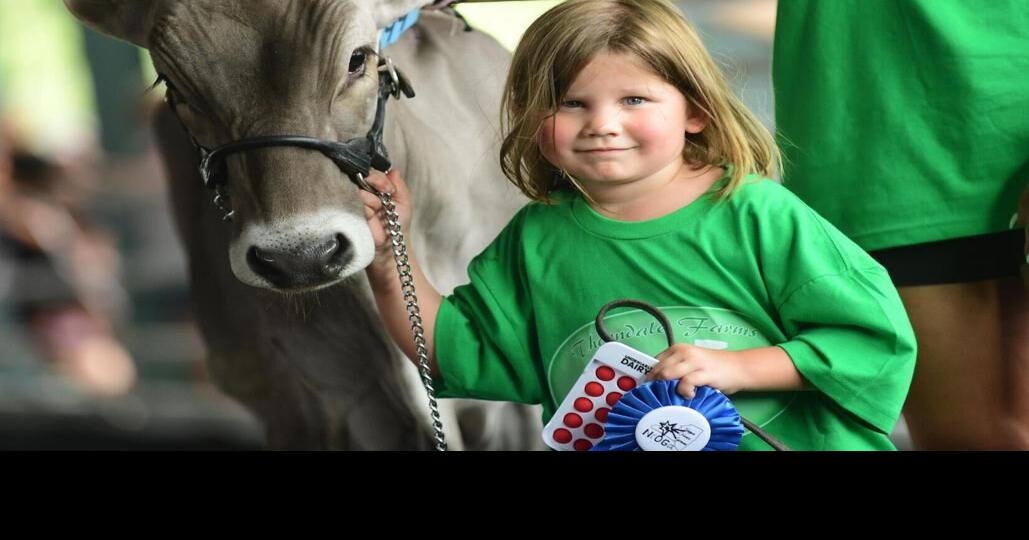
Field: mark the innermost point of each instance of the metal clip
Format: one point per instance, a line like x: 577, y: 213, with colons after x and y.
x: 363, y: 184
x: 394, y: 78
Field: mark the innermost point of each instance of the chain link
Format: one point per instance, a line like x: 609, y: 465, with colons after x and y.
x: 413, y: 312
x: 221, y: 201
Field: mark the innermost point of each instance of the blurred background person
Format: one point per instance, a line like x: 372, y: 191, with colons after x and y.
x: 98, y: 349
x: 64, y: 276
x: 904, y: 124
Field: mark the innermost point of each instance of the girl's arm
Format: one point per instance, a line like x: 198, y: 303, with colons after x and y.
x: 762, y: 369
x: 382, y: 272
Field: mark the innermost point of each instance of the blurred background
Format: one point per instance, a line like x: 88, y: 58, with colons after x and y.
x: 97, y: 344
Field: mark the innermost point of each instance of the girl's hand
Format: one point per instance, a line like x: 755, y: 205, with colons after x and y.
x: 696, y: 366
x: 375, y: 214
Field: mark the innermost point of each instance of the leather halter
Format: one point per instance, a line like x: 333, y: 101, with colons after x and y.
x: 355, y: 157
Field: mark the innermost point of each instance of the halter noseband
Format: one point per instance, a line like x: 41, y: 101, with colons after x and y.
x: 355, y: 157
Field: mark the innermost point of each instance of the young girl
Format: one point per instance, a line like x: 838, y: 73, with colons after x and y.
x: 650, y: 181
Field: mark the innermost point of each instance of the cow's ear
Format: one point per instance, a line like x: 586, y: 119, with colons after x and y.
x: 129, y: 20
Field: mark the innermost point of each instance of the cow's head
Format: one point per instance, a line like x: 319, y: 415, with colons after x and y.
x: 247, y: 68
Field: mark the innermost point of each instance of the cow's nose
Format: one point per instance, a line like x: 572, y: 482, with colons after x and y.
x: 301, y: 266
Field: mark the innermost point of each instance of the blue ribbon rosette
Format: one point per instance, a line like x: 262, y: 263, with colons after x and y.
x: 653, y: 416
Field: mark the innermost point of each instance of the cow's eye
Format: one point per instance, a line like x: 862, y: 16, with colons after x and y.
x: 357, y: 61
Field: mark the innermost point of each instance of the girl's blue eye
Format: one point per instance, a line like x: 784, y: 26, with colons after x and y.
x: 635, y: 100
x: 571, y: 104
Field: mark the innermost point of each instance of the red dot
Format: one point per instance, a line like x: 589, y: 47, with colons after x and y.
x: 602, y: 414
x: 562, y: 435
x: 585, y: 405
x: 594, y: 389
x: 605, y: 373
x: 626, y: 383
x: 573, y: 420
x: 612, y: 398
x: 582, y: 445
x: 593, y: 431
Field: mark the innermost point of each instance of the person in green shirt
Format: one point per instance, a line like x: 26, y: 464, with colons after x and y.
x: 650, y: 181
x: 904, y: 123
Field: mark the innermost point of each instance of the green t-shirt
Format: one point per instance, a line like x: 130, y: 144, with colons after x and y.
x: 904, y: 121
x: 757, y: 270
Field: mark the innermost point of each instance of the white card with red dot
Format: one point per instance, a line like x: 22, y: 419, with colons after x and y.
x: 579, y: 421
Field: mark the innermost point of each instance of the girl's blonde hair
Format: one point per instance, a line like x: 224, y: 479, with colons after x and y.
x: 562, y: 42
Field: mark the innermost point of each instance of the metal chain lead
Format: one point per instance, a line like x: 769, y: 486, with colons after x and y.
x: 413, y: 311
x: 221, y: 201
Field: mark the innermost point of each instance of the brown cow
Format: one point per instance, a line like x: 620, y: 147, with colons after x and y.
x: 279, y: 291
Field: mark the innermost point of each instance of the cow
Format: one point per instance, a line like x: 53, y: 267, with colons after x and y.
x: 276, y: 266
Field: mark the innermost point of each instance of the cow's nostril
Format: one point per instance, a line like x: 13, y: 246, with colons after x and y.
x: 265, y: 265
x: 336, y: 255
x: 330, y: 248
x: 262, y: 256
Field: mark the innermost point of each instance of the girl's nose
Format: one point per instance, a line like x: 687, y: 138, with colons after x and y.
x: 603, y: 122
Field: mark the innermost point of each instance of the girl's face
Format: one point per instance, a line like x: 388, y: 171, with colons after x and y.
x: 619, y: 123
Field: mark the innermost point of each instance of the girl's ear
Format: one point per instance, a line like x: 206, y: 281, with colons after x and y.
x: 696, y: 118
x: 544, y: 136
